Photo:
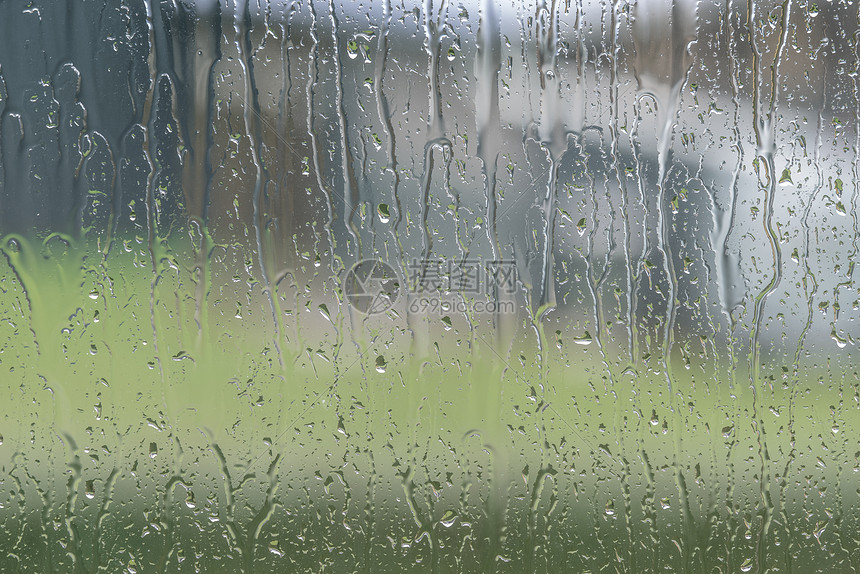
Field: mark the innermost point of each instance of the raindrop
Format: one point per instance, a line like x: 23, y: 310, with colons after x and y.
x: 382, y: 211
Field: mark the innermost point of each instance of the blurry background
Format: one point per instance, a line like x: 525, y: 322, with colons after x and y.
x: 183, y: 187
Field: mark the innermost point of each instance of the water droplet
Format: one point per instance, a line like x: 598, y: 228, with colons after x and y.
x: 382, y: 211
x: 584, y: 339
x: 352, y: 49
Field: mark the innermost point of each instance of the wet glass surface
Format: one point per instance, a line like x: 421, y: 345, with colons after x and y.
x: 480, y: 286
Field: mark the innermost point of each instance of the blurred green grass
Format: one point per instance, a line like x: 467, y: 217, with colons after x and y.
x: 140, y: 428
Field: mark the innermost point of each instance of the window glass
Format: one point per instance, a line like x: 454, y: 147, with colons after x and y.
x: 476, y: 286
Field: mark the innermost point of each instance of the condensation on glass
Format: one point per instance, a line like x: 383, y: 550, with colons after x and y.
x: 479, y: 286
